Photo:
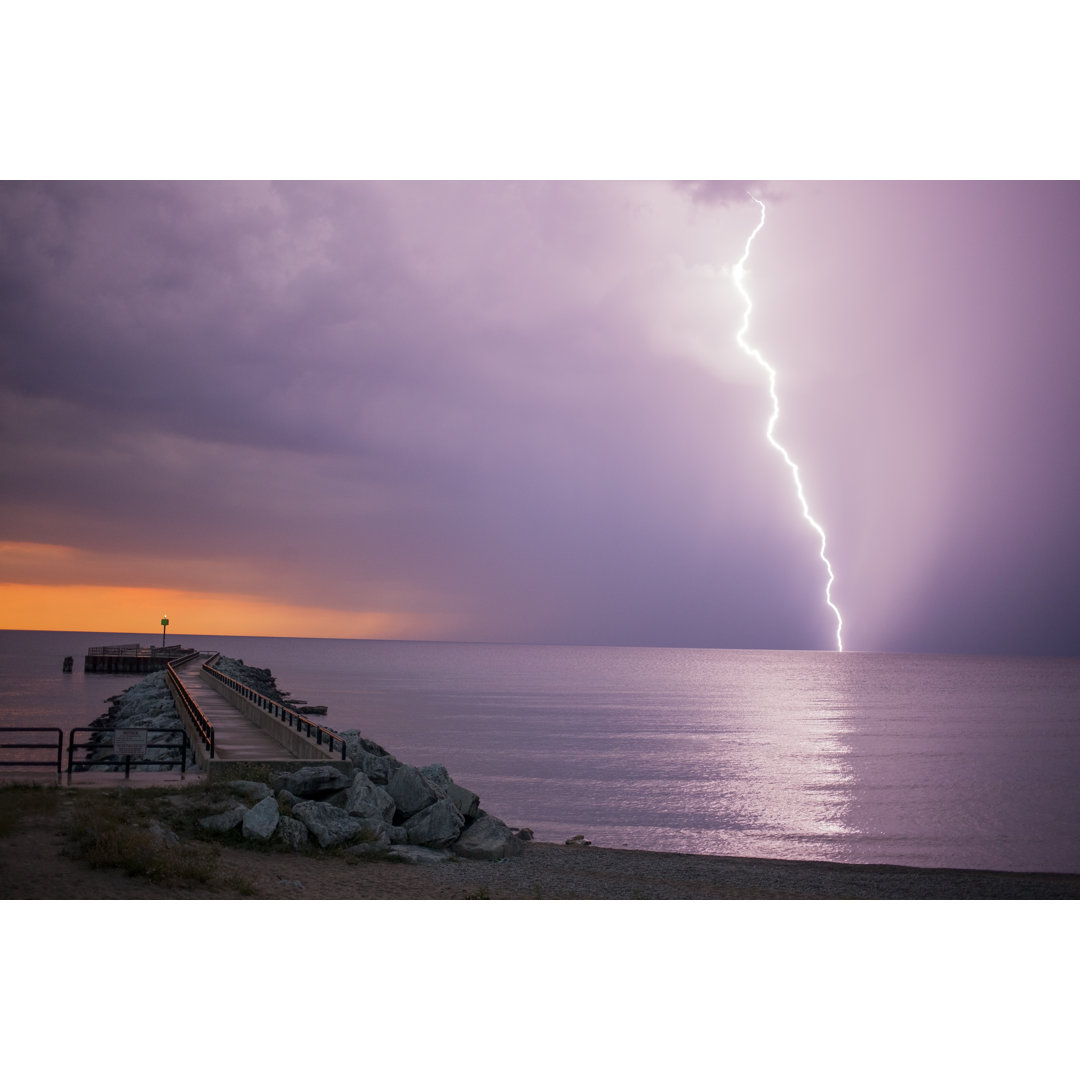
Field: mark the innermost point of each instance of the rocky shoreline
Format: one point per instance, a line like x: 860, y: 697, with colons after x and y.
x: 370, y: 804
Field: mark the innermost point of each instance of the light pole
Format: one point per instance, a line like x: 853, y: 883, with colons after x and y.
x: 164, y: 623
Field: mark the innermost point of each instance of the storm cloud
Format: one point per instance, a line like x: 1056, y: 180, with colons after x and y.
x: 516, y: 411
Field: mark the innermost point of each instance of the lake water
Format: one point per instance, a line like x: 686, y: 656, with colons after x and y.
x: 959, y: 761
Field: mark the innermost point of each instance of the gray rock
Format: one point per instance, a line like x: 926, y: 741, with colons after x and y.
x: 250, y: 789
x: 373, y: 829
x: 436, y: 825
x: 262, y: 819
x: 164, y: 833
x: 355, y: 741
x: 418, y: 856
x: 398, y: 834
x: 438, y: 775
x: 365, y: 851
x: 467, y: 802
x: 374, y: 837
x: 313, y: 781
x: 369, y: 757
x: 411, y: 790
x: 292, y: 833
x: 223, y: 822
x: 287, y: 799
x: 328, y: 824
x: 379, y: 767
x: 367, y: 799
x: 488, y: 838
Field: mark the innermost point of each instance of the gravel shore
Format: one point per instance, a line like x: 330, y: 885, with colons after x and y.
x: 36, y: 863
x: 552, y: 871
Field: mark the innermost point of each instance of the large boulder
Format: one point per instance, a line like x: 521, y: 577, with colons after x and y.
x: 261, y: 820
x: 224, y: 822
x: 313, y: 781
x: 355, y: 741
x: 436, y: 825
x: 366, y: 799
x: 438, y: 775
x: 328, y: 824
x: 369, y: 757
x: 292, y: 833
x: 250, y: 789
x: 418, y: 856
x: 468, y: 802
x: 379, y: 767
x: 286, y: 799
x: 488, y: 838
x: 411, y: 790
x: 374, y: 838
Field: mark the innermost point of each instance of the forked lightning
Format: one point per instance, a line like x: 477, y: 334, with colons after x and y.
x: 739, y: 273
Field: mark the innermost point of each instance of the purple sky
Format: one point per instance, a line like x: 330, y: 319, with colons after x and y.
x: 516, y: 411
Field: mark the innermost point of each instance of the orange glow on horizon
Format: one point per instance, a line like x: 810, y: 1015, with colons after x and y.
x: 110, y: 610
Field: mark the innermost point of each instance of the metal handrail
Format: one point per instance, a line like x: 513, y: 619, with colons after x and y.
x: 198, y: 718
x: 58, y: 747
x: 280, y: 712
x: 139, y: 650
x: 128, y: 762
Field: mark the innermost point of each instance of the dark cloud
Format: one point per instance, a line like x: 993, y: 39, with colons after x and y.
x: 521, y: 405
x: 723, y: 192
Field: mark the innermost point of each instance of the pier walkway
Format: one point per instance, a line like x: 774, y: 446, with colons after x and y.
x: 229, y: 725
x: 236, y: 738
x: 232, y: 726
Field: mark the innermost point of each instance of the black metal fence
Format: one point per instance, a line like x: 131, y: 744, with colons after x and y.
x: 126, y: 739
x: 51, y: 739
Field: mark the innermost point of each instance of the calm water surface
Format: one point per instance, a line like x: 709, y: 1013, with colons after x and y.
x: 857, y: 757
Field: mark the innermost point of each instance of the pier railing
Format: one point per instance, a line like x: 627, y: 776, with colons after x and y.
x: 135, y: 649
x: 187, y: 704
x: 55, y: 745
x: 132, y: 659
x: 321, y: 736
x: 130, y: 744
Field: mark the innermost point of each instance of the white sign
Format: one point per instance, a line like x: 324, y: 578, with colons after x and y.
x: 130, y: 742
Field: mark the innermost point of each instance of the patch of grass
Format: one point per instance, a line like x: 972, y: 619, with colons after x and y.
x: 25, y: 800
x: 113, y: 829
x: 481, y: 894
x: 260, y: 772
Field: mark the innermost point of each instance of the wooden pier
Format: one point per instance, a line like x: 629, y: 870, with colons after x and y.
x: 132, y: 659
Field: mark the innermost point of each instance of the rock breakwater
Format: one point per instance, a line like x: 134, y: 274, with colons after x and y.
x: 415, y: 814
x: 371, y: 803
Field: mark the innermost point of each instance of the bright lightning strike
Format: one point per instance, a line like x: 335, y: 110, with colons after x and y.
x: 739, y: 273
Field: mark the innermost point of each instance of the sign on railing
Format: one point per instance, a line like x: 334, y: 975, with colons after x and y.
x: 123, y: 743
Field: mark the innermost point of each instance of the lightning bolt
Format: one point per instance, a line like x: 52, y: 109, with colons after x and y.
x: 739, y: 272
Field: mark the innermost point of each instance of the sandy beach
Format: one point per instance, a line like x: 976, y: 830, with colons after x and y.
x: 37, y: 861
